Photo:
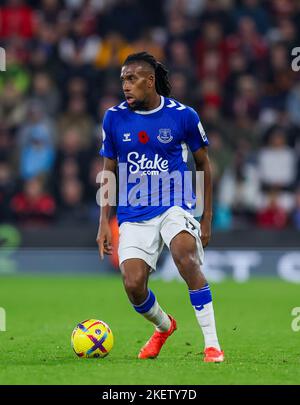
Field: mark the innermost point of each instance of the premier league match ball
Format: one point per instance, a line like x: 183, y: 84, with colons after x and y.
x: 92, y: 338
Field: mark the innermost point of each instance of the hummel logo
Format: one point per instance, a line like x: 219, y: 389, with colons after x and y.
x: 126, y: 137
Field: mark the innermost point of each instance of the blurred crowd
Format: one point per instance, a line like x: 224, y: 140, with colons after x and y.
x: 230, y: 60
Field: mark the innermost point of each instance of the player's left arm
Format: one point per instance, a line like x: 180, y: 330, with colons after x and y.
x: 202, y: 164
x: 197, y: 141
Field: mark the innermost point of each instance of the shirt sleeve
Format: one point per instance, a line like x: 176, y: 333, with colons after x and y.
x: 108, y: 148
x: 195, y: 135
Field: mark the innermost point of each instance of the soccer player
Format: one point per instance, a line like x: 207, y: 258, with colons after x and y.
x: 147, y: 136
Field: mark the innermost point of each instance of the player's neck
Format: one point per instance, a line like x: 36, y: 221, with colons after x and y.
x: 153, y: 102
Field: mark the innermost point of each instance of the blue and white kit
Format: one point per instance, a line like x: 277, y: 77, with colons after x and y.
x: 149, y: 144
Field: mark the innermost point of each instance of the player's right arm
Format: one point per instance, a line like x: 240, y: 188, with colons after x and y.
x: 104, y: 233
x: 109, y: 153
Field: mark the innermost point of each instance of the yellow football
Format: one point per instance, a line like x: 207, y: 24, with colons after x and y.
x: 92, y: 338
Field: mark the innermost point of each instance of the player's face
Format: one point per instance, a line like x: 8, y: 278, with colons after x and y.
x: 137, y: 83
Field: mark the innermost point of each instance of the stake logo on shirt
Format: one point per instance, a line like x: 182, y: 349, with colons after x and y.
x: 140, y: 163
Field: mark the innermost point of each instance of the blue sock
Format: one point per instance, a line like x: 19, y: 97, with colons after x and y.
x: 200, y: 297
x: 147, y: 304
x: 202, y: 302
x: 151, y: 310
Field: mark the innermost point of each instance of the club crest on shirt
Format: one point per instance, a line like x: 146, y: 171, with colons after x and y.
x: 165, y: 135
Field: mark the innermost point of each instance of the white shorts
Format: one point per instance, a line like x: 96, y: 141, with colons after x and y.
x: 145, y: 239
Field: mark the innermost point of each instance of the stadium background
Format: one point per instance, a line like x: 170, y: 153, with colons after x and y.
x: 231, y: 61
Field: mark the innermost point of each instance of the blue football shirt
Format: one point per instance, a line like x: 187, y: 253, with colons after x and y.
x: 151, y: 149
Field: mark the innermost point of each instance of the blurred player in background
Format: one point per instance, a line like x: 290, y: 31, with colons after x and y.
x: 149, y: 132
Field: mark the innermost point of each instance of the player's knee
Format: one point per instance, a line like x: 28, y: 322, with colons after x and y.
x: 186, y: 261
x: 133, y: 284
x: 135, y: 287
x: 190, y: 270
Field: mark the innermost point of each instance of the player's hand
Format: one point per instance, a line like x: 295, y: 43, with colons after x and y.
x: 104, y: 239
x: 205, y: 225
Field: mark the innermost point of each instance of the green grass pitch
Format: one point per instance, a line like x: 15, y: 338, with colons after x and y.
x: 253, y: 319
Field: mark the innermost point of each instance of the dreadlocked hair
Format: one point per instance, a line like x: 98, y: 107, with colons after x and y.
x: 162, y: 84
